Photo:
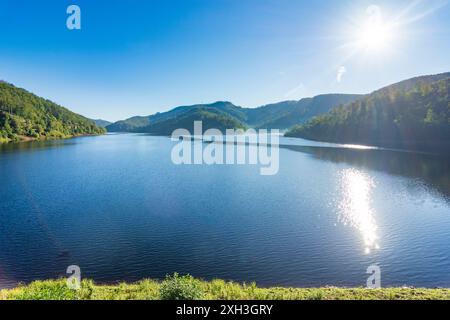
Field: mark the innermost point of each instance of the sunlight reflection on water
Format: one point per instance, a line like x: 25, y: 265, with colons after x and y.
x: 355, y: 207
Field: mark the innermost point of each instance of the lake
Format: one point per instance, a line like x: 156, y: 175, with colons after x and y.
x: 117, y: 206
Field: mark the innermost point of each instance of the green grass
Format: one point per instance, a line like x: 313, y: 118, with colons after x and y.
x: 4, y: 140
x: 186, y: 287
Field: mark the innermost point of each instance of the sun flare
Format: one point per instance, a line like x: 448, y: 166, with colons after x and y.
x: 374, y: 34
x: 374, y: 37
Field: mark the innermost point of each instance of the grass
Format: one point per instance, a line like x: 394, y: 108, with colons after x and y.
x: 186, y: 287
x: 4, y: 140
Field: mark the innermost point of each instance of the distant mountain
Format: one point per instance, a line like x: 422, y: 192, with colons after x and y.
x: 210, y: 119
x: 101, y: 123
x: 134, y: 124
x: 275, y: 116
x: 25, y: 116
x: 221, y: 113
x: 412, y: 114
x: 284, y: 115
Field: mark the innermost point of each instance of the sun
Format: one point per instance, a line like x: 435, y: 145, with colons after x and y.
x: 374, y: 34
x: 374, y: 37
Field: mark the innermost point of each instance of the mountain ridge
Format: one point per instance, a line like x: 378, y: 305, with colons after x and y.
x: 272, y: 116
x: 26, y: 116
x: 101, y: 123
x: 410, y: 114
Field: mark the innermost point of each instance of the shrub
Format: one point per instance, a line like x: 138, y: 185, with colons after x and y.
x: 46, y: 290
x: 178, y: 287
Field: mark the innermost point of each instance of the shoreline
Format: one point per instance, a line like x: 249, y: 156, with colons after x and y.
x: 208, y: 290
x: 25, y: 139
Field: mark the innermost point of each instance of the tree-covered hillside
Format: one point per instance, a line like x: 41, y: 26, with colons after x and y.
x: 134, y: 124
x: 101, y: 123
x: 413, y: 114
x: 281, y: 115
x: 24, y: 115
x: 219, y: 113
x: 285, y: 115
x: 186, y: 121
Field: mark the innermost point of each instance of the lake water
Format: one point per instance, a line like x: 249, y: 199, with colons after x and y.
x: 119, y: 208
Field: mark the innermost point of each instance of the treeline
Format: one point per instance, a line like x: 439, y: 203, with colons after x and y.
x: 413, y: 115
x: 282, y: 115
x: 24, y: 115
x: 220, y: 115
x: 210, y: 120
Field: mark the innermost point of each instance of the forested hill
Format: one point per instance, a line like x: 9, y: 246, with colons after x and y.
x: 222, y: 114
x: 286, y: 114
x: 24, y: 115
x: 413, y: 114
x: 101, y: 123
x: 281, y: 115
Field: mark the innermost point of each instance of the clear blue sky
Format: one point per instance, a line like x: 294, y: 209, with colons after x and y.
x: 139, y: 57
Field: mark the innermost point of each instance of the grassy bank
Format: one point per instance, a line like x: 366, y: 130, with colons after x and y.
x: 21, y: 138
x: 177, y: 287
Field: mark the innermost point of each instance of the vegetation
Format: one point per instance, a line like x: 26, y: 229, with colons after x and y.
x: 414, y: 114
x: 186, y: 121
x: 220, y: 115
x: 25, y: 116
x: 225, y: 115
x: 186, y: 287
x: 178, y: 287
x: 102, y: 123
x: 134, y: 124
x: 284, y: 115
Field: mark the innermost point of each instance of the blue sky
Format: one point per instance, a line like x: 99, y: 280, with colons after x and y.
x: 138, y: 57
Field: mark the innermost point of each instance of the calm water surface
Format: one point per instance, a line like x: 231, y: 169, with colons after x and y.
x: 116, y: 206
